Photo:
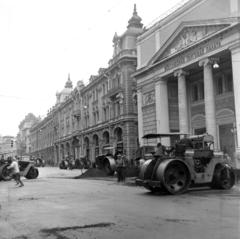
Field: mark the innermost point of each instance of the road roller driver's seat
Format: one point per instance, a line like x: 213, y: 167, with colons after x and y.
x: 180, y: 149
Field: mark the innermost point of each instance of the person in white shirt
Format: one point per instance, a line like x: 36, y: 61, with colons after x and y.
x: 15, y: 172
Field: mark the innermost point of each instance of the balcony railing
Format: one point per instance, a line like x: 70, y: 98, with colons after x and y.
x: 114, y: 90
x: 55, y: 124
x: 77, y: 113
x: 123, y: 53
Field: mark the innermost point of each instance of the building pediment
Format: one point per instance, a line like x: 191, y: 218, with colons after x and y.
x: 189, y: 34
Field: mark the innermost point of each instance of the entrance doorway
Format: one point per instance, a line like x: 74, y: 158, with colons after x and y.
x: 227, y: 143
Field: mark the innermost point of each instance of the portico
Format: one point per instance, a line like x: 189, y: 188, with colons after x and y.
x: 189, y: 95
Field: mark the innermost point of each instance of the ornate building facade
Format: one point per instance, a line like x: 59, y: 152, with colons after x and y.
x: 23, y: 143
x: 188, y: 80
x: 103, y: 113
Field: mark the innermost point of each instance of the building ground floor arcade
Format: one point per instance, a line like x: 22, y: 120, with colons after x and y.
x: 195, y: 93
x: 91, y: 143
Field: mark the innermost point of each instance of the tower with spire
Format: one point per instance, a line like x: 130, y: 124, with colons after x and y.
x: 60, y: 97
x: 129, y: 37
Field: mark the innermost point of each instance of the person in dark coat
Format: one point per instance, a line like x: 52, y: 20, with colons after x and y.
x: 159, y: 150
x: 119, y: 166
x: 186, y: 141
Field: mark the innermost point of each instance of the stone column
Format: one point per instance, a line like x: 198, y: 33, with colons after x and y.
x: 162, y: 109
x: 236, y: 83
x: 210, y: 111
x: 140, y: 115
x: 182, y: 101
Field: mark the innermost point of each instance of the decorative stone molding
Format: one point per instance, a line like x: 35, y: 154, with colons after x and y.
x: 205, y: 62
x: 149, y: 97
x: 120, y: 97
x: 180, y: 72
x: 134, y: 97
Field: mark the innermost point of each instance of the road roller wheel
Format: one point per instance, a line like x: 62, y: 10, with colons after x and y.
x: 32, y: 173
x: 43, y: 163
x: 153, y: 189
x: 107, y: 167
x: 65, y: 165
x: 4, y: 173
x: 38, y: 163
x: 176, y: 177
x: 220, y: 179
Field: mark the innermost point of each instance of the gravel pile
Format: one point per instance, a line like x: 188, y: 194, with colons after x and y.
x: 97, y: 173
x: 91, y: 173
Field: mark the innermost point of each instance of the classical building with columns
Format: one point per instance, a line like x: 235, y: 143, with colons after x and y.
x: 188, y: 74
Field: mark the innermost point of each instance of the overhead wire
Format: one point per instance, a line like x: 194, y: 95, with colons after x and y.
x: 86, y: 31
x: 22, y: 98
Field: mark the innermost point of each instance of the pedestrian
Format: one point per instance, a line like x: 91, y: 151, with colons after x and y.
x: 71, y: 163
x: 14, y: 167
x: 186, y: 141
x: 125, y: 163
x: 119, y: 166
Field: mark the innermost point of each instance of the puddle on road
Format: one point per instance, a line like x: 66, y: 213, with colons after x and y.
x: 57, y: 231
x: 29, y: 199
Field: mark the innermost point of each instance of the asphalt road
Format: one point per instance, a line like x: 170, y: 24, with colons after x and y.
x: 56, y: 206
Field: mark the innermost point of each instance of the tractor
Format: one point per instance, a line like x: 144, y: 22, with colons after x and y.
x: 181, y: 167
x: 27, y: 170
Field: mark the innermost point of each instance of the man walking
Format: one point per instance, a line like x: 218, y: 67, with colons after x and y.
x: 119, y: 165
x: 15, y: 171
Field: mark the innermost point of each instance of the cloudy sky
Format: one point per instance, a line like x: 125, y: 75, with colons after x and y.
x: 44, y: 40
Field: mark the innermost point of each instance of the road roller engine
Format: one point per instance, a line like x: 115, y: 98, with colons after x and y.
x: 192, y: 162
x: 40, y: 162
x: 27, y: 169
x: 143, y: 153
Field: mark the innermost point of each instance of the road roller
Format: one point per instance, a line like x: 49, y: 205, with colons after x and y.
x: 40, y: 162
x: 69, y: 162
x: 190, y: 162
x: 27, y: 170
x: 106, y: 162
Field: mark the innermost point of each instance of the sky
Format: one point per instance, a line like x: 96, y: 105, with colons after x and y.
x: 42, y: 41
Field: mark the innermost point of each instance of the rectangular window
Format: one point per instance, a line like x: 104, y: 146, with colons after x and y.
x: 119, y: 111
x: 229, y: 83
x: 201, y: 93
x: 103, y: 89
x: 219, y: 86
x: 197, y: 91
x: 118, y: 79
